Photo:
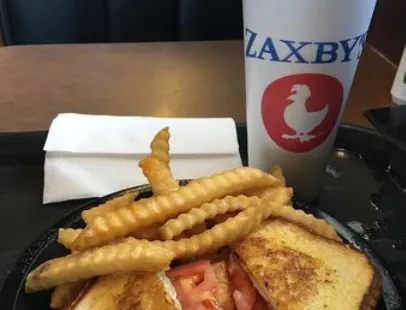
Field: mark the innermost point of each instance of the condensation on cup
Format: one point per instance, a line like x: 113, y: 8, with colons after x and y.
x: 300, y: 61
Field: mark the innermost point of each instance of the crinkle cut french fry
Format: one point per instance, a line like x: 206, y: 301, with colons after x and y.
x: 129, y: 255
x: 65, y: 294
x: 308, y: 221
x: 140, y: 214
x: 277, y: 194
x: 160, y: 146
x: 222, y: 234
x: 156, y: 169
x: 280, y: 194
x: 185, y: 221
x: 156, y: 166
x: 66, y: 236
x: 277, y: 172
x: 242, y: 224
x: 109, y: 206
x: 159, y: 176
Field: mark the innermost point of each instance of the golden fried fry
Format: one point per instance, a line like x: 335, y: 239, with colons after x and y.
x: 277, y: 172
x: 160, y: 146
x: 143, y: 213
x: 308, y: 221
x: 159, y: 176
x: 65, y: 294
x: 279, y: 194
x: 156, y: 166
x: 109, y: 206
x: 66, y: 236
x: 129, y: 255
x: 174, y: 227
x: 156, y: 169
x: 222, y: 234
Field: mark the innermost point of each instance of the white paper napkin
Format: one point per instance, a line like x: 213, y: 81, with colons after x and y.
x: 94, y: 155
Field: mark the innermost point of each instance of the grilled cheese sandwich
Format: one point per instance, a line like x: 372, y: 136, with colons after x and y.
x: 293, y: 268
x: 128, y: 291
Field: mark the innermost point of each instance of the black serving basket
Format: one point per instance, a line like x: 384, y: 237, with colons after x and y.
x: 363, y: 197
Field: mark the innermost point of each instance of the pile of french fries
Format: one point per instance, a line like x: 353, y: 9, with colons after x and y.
x: 177, y: 222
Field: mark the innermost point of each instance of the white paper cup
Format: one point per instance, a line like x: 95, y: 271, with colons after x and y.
x: 300, y: 61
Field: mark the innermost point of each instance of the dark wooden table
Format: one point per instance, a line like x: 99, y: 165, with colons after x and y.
x: 188, y: 79
x: 164, y: 79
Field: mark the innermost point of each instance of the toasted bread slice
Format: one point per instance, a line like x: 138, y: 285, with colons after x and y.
x: 128, y: 291
x: 102, y: 294
x: 148, y: 292
x: 295, y: 269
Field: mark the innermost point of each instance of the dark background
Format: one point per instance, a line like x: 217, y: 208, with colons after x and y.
x: 91, y: 21
x: 388, y: 28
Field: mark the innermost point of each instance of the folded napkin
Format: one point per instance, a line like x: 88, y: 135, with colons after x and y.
x: 94, y: 155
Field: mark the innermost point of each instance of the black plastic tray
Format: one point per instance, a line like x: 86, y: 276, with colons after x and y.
x: 13, y: 297
x: 390, y: 122
x: 364, y: 187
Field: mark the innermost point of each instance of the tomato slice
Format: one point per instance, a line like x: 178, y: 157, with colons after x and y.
x: 260, y: 304
x: 195, y: 284
x: 244, y: 293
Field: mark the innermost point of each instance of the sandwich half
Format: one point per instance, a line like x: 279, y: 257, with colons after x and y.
x: 292, y: 268
x: 128, y: 291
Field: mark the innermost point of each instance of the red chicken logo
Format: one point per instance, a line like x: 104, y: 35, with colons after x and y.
x: 300, y: 111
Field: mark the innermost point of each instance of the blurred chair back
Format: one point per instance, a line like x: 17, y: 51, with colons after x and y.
x: 90, y: 21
